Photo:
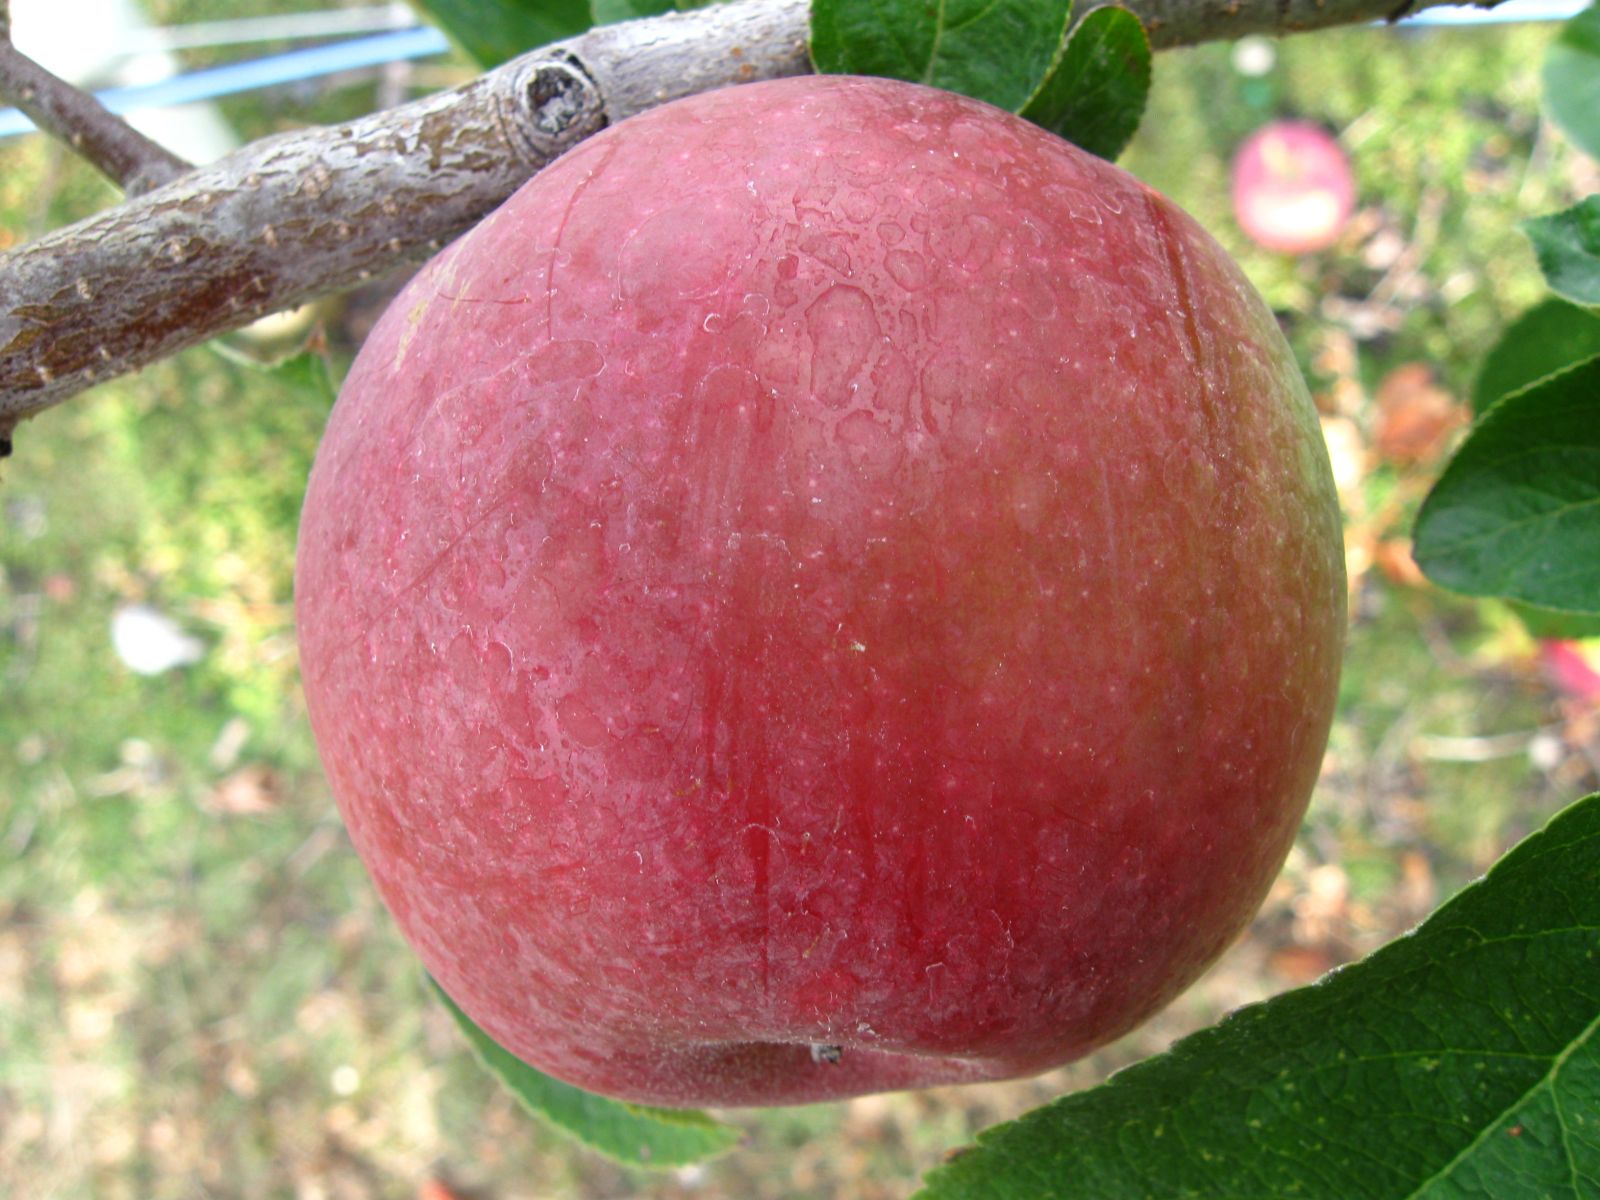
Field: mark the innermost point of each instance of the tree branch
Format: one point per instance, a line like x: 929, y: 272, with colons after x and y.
x: 304, y: 214
x: 1173, y: 23
x: 115, y: 148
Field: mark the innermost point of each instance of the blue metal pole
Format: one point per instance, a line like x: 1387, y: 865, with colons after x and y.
x: 291, y: 67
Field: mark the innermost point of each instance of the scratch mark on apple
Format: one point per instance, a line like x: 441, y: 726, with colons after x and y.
x: 1108, y: 518
x: 438, y: 560
x: 1161, y: 222
x: 438, y: 399
x: 609, y: 151
x: 509, y: 302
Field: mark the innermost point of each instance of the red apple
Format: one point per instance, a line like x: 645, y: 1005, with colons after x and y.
x: 828, y: 589
x: 1293, y: 190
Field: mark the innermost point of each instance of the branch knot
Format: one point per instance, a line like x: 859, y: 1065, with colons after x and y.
x: 556, y: 106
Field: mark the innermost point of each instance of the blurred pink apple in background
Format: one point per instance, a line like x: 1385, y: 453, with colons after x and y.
x: 1573, y: 667
x: 1293, y: 190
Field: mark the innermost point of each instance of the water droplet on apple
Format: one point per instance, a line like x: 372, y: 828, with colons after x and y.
x: 976, y: 242
x: 563, y: 360
x: 579, y: 722
x: 844, y: 329
x: 908, y: 269
x: 497, y: 661
x: 858, y: 206
x: 873, y: 448
x: 683, y: 252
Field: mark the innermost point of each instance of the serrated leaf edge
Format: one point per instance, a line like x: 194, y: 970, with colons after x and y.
x: 1489, y: 416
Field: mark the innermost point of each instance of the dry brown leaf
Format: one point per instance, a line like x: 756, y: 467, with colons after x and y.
x: 1299, y: 965
x: 1393, y: 558
x: 1419, y: 891
x: 1323, y: 910
x: 249, y: 791
x: 1416, y: 417
x: 1336, y: 355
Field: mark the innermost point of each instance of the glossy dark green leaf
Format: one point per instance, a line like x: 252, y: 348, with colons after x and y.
x: 1517, y: 512
x: 629, y: 1133
x: 1096, y: 93
x: 1549, y: 337
x: 1568, y: 246
x: 1572, y: 79
x: 994, y: 50
x: 1460, y: 1061
x: 493, y: 31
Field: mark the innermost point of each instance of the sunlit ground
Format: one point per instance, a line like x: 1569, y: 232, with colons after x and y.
x: 199, y: 994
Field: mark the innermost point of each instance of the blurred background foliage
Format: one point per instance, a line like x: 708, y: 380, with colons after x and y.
x: 200, y: 993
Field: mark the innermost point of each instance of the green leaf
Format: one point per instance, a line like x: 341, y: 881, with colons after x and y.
x: 1460, y: 1061
x: 1568, y: 246
x: 1096, y: 94
x: 1549, y: 337
x: 1517, y: 512
x: 1572, y: 80
x: 304, y: 366
x: 493, y: 31
x: 607, y: 12
x: 633, y: 1134
x: 994, y: 50
x: 309, y: 373
x: 1547, y: 623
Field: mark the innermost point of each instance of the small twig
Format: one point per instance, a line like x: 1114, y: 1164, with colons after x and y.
x: 122, y: 153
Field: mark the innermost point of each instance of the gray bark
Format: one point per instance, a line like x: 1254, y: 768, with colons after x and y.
x: 305, y: 214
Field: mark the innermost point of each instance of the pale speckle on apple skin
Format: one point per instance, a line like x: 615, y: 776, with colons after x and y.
x: 667, y: 517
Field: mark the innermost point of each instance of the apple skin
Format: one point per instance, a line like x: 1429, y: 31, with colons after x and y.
x: 1293, y: 189
x: 827, y: 571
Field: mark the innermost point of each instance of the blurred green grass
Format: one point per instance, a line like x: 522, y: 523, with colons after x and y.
x: 201, y: 993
